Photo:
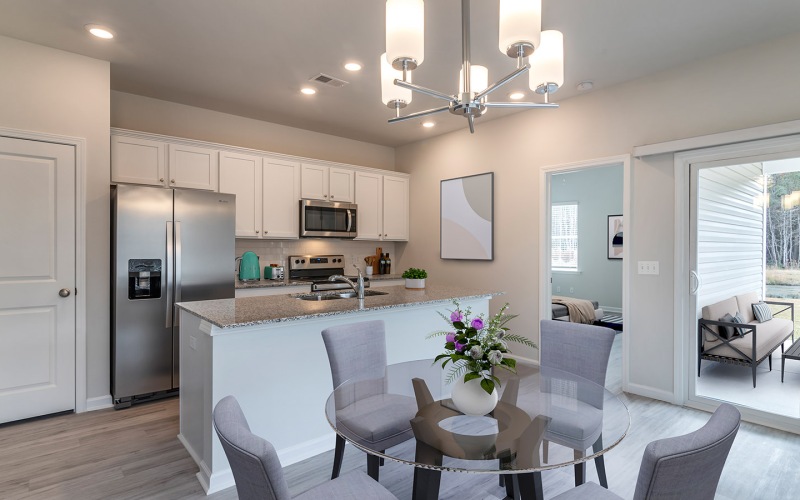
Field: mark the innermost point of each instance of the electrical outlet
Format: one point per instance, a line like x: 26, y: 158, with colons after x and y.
x: 648, y: 267
x: 572, y: 289
x: 193, y: 342
x: 558, y: 289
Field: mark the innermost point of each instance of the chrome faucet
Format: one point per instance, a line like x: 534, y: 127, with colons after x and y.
x: 357, y: 287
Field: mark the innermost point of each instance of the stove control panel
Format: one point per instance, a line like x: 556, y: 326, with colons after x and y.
x: 318, y: 262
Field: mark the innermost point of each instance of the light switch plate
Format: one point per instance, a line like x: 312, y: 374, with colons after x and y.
x: 648, y: 267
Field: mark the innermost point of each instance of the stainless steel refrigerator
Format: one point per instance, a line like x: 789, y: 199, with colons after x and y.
x: 168, y: 245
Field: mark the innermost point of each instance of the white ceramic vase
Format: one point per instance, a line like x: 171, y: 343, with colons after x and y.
x: 471, y: 399
x: 415, y: 283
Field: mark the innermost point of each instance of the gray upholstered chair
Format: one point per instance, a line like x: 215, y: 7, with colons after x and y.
x: 581, y: 350
x: 685, y: 467
x: 257, y: 469
x: 358, y: 351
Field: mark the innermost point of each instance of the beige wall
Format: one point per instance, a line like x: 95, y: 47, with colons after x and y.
x: 47, y: 90
x: 745, y: 88
x: 162, y: 117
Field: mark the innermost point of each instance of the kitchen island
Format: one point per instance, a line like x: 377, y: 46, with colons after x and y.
x: 268, y: 353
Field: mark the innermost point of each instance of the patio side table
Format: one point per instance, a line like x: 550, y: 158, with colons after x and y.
x: 793, y: 352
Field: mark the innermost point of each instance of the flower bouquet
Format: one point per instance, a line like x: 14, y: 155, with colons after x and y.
x: 476, y: 345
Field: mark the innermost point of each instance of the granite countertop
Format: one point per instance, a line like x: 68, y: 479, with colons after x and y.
x: 266, y: 283
x: 248, y: 311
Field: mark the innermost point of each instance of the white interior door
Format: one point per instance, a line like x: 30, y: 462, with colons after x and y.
x: 37, y: 278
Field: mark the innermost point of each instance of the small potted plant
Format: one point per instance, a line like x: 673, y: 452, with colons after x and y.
x: 415, y: 278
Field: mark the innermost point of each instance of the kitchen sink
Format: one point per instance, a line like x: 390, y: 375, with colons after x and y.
x: 339, y: 295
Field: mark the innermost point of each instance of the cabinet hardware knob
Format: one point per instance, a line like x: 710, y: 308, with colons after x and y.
x: 64, y: 292
x: 325, y: 195
x: 256, y: 231
x: 161, y: 180
x: 265, y: 232
x: 172, y: 181
x: 331, y: 196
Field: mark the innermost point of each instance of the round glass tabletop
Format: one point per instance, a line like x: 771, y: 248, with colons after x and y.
x: 545, y: 418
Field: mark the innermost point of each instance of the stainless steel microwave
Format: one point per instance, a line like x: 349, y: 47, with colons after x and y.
x: 328, y: 219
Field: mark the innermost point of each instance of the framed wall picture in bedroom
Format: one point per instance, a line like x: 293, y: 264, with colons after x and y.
x: 467, y: 217
x: 615, y: 233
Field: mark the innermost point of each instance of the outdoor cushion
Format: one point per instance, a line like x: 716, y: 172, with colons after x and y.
x: 727, y: 332
x: 762, y: 312
x: 745, y: 302
x: 768, y: 336
x: 740, y: 332
x: 718, y: 310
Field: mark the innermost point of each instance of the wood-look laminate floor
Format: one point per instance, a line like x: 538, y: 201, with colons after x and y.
x: 134, y: 453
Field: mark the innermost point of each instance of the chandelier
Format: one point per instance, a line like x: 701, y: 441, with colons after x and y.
x: 538, y: 53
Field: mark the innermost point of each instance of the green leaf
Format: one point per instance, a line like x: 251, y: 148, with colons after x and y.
x: 450, y: 345
x: 471, y: 376
x: 437, y: 358
x: 510, y: 362
x: 487, y: 385
x: 458, y: 325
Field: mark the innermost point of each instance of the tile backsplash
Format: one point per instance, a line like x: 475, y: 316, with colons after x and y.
x: 278, y: 251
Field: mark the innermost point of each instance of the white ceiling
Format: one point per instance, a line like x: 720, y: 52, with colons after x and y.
x: 250, y: 57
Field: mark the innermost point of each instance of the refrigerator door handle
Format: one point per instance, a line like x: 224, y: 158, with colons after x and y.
x: 168, y: 273
x: 177, y: 268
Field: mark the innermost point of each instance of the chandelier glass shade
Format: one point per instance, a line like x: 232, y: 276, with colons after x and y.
x: 520, y: 37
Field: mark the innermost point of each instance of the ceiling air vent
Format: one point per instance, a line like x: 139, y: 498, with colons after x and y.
x: 328, y: 80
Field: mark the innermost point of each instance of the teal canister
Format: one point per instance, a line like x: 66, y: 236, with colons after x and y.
x: 249, y: 268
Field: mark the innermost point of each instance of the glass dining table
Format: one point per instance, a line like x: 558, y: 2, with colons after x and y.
x: 543, y: 415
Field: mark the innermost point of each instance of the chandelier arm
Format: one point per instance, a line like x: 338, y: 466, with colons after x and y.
x: 424, y: 90
x: 419, y: 114
x: 521, y: 105
x: 471, y: 120
x: 491, y: 88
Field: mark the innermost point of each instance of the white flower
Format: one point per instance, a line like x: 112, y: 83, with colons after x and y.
x: 476, y: 352
x: 502, y: 344
x: 495, y: 357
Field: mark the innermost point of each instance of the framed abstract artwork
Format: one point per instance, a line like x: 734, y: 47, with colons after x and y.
x: 467, y: 217
x: 615, y: 234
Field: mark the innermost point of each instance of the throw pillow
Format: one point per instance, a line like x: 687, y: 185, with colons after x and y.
x: 740, y: 332
x: 726, y: 332
x: 762, y: 312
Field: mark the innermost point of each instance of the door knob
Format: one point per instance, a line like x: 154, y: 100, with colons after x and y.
x: 64, y: 292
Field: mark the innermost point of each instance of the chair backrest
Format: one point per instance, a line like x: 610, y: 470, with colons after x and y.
x: 356, y: 350
x: 255, y: 465
x: 689, y: 466
x: 579, y: 349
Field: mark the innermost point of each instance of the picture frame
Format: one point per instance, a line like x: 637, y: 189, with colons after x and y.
x: 616, y: 230
x: 466, y: 215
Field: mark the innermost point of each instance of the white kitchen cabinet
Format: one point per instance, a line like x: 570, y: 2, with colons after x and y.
x: 193, y: 167
x: 320, y: 182
x: 267, y: 192
x: 281, y: 195
x: 395, y: 208
x: 382, y: 207
x: 138, y: 161
x: 241, y: 175
x: 369, y: 198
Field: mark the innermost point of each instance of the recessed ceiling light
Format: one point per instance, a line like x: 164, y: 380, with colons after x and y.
x: 584, y: 86
x: 428, y: 124
x: 308, y: 91
x: 99, y: 31
x: 352, y: 66
x: 516, y: 95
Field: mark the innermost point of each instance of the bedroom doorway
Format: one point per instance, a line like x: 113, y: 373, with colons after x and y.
x: 582, y: 228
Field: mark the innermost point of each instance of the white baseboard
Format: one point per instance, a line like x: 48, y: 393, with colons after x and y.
x: 306, y: 449
x: 99, y: 403
x: 650, y: 392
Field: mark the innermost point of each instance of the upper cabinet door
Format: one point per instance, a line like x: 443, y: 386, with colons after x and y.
x: 193, y: 167
x: 138, y: 161
x: 395, y: 208
x: 369, y: 198
x: 315, y: 182
x: 281, y: 188
x: 341, y: 185
x: 241, y: 175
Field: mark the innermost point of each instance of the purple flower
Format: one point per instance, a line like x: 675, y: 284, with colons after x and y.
x: 451, y: 337
x: 456, y: 316
x: 460, y: 347
x: 477, y: 323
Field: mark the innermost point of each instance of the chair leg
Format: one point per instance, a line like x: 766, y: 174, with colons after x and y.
x: 382, y: 459
x: 600, y: 463
x: 580, y: 469
x: 770, y: 361
x: 338, y: 455
x: 783, y: 365
x: 545, y: 450
x: 373, y: 466
x: 754, y: 374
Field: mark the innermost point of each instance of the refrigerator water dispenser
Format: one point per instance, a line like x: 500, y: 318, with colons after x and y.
x: 144, y: 279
